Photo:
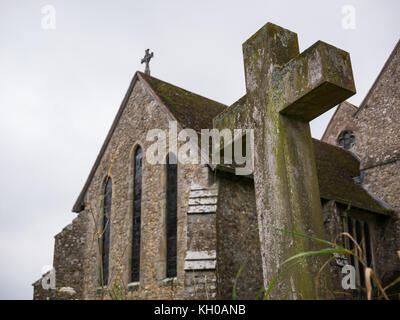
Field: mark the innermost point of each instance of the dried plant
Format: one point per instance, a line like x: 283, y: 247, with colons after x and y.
x: 332, y: 251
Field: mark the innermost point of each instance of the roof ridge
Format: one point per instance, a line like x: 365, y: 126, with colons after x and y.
x: 190, y: 109
x: 374, y: 85
x: 352, y: 105
x: 178, y: 87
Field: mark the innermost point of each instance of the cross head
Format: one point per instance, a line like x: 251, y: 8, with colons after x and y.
x: 146, y: 59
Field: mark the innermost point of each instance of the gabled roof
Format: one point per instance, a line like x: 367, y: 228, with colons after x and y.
x: 189, y: 109
x: 336, y: 169
x: 341, y: 105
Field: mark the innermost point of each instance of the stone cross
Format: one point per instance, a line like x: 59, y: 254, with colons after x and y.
x: 146, y: 59
x: 285, y: 91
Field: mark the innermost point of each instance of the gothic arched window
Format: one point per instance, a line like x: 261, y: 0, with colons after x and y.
x: 105, y: 238
x: 171, y: 214
x: 137, y: 203
x: 346, y: 139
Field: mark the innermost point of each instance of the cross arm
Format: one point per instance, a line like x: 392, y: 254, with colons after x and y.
x: 314, y: 82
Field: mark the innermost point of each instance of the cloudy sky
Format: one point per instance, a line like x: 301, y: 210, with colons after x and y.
x: 60, y: 89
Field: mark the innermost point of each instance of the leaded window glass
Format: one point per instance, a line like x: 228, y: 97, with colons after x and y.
x: 137, y: 203
x: 171, y: 215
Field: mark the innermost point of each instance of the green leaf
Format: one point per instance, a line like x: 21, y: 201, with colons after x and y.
x: 236, y: 278
x: 274, y: 280
x: 259, y: 293
x: 303, y: 235
x: 316, y: 253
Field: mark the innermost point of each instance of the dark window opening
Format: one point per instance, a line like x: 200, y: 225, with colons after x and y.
x: 105, y: 238
x: 137, y: 202
x: 346, y: 140
x: 368, y: 251
x: 360, y: 231
x: 171, y: 215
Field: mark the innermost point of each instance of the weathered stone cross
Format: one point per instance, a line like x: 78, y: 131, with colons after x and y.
x: 286, y: 90
x: 146, y: 59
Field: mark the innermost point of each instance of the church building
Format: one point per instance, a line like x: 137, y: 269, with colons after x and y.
x: 194, y: 231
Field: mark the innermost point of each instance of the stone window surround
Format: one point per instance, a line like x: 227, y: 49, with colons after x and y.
x: 172, y: 281
x: 100, y: 220
x: 132, y: 191
x: 167, y: 282
x: 167, y: 218
x: 163, y: 280
x: 133, y: 286
x: 128, y: 259
x: 341, y: 137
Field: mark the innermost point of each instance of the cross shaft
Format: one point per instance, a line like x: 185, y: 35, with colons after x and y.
x: 286, y: 90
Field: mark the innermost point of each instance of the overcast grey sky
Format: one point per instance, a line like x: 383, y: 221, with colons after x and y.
x: 60, y: 89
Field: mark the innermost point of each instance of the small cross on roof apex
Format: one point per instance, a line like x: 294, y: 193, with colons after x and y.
x: 146, y: 59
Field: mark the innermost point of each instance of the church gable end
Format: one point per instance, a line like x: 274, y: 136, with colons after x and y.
x: 342, y: 122
x: 149, y: 262
x: 379, y: 116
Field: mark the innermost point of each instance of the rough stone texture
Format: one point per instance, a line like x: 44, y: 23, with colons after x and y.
x: 238, y: 241
x: 384, y: 182
x: 69, y: 259
x: 51, y: 294
x: 200, y: 284
x: 379, y: 117
x: 200, y: 278
x: 76, y: 248
x: 379, y: 122
x: 376, y: 125
x: 68, y: 254
x: 344, y: 121
x: 132, y: 128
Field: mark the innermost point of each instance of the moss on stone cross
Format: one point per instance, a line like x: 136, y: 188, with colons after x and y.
x: 286, y: 90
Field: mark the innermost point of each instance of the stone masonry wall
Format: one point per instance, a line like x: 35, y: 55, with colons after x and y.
x: 69, y: 255
x: 80, y: 268
x: 379, y: 117
x: 137, y: 119
x: 342, y: 120
x: 377, y: 144
x: 68, y: 262
x: 200, y: 261
x: 384, y: 182
x: 238, y: 239
x: 379, y: 150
